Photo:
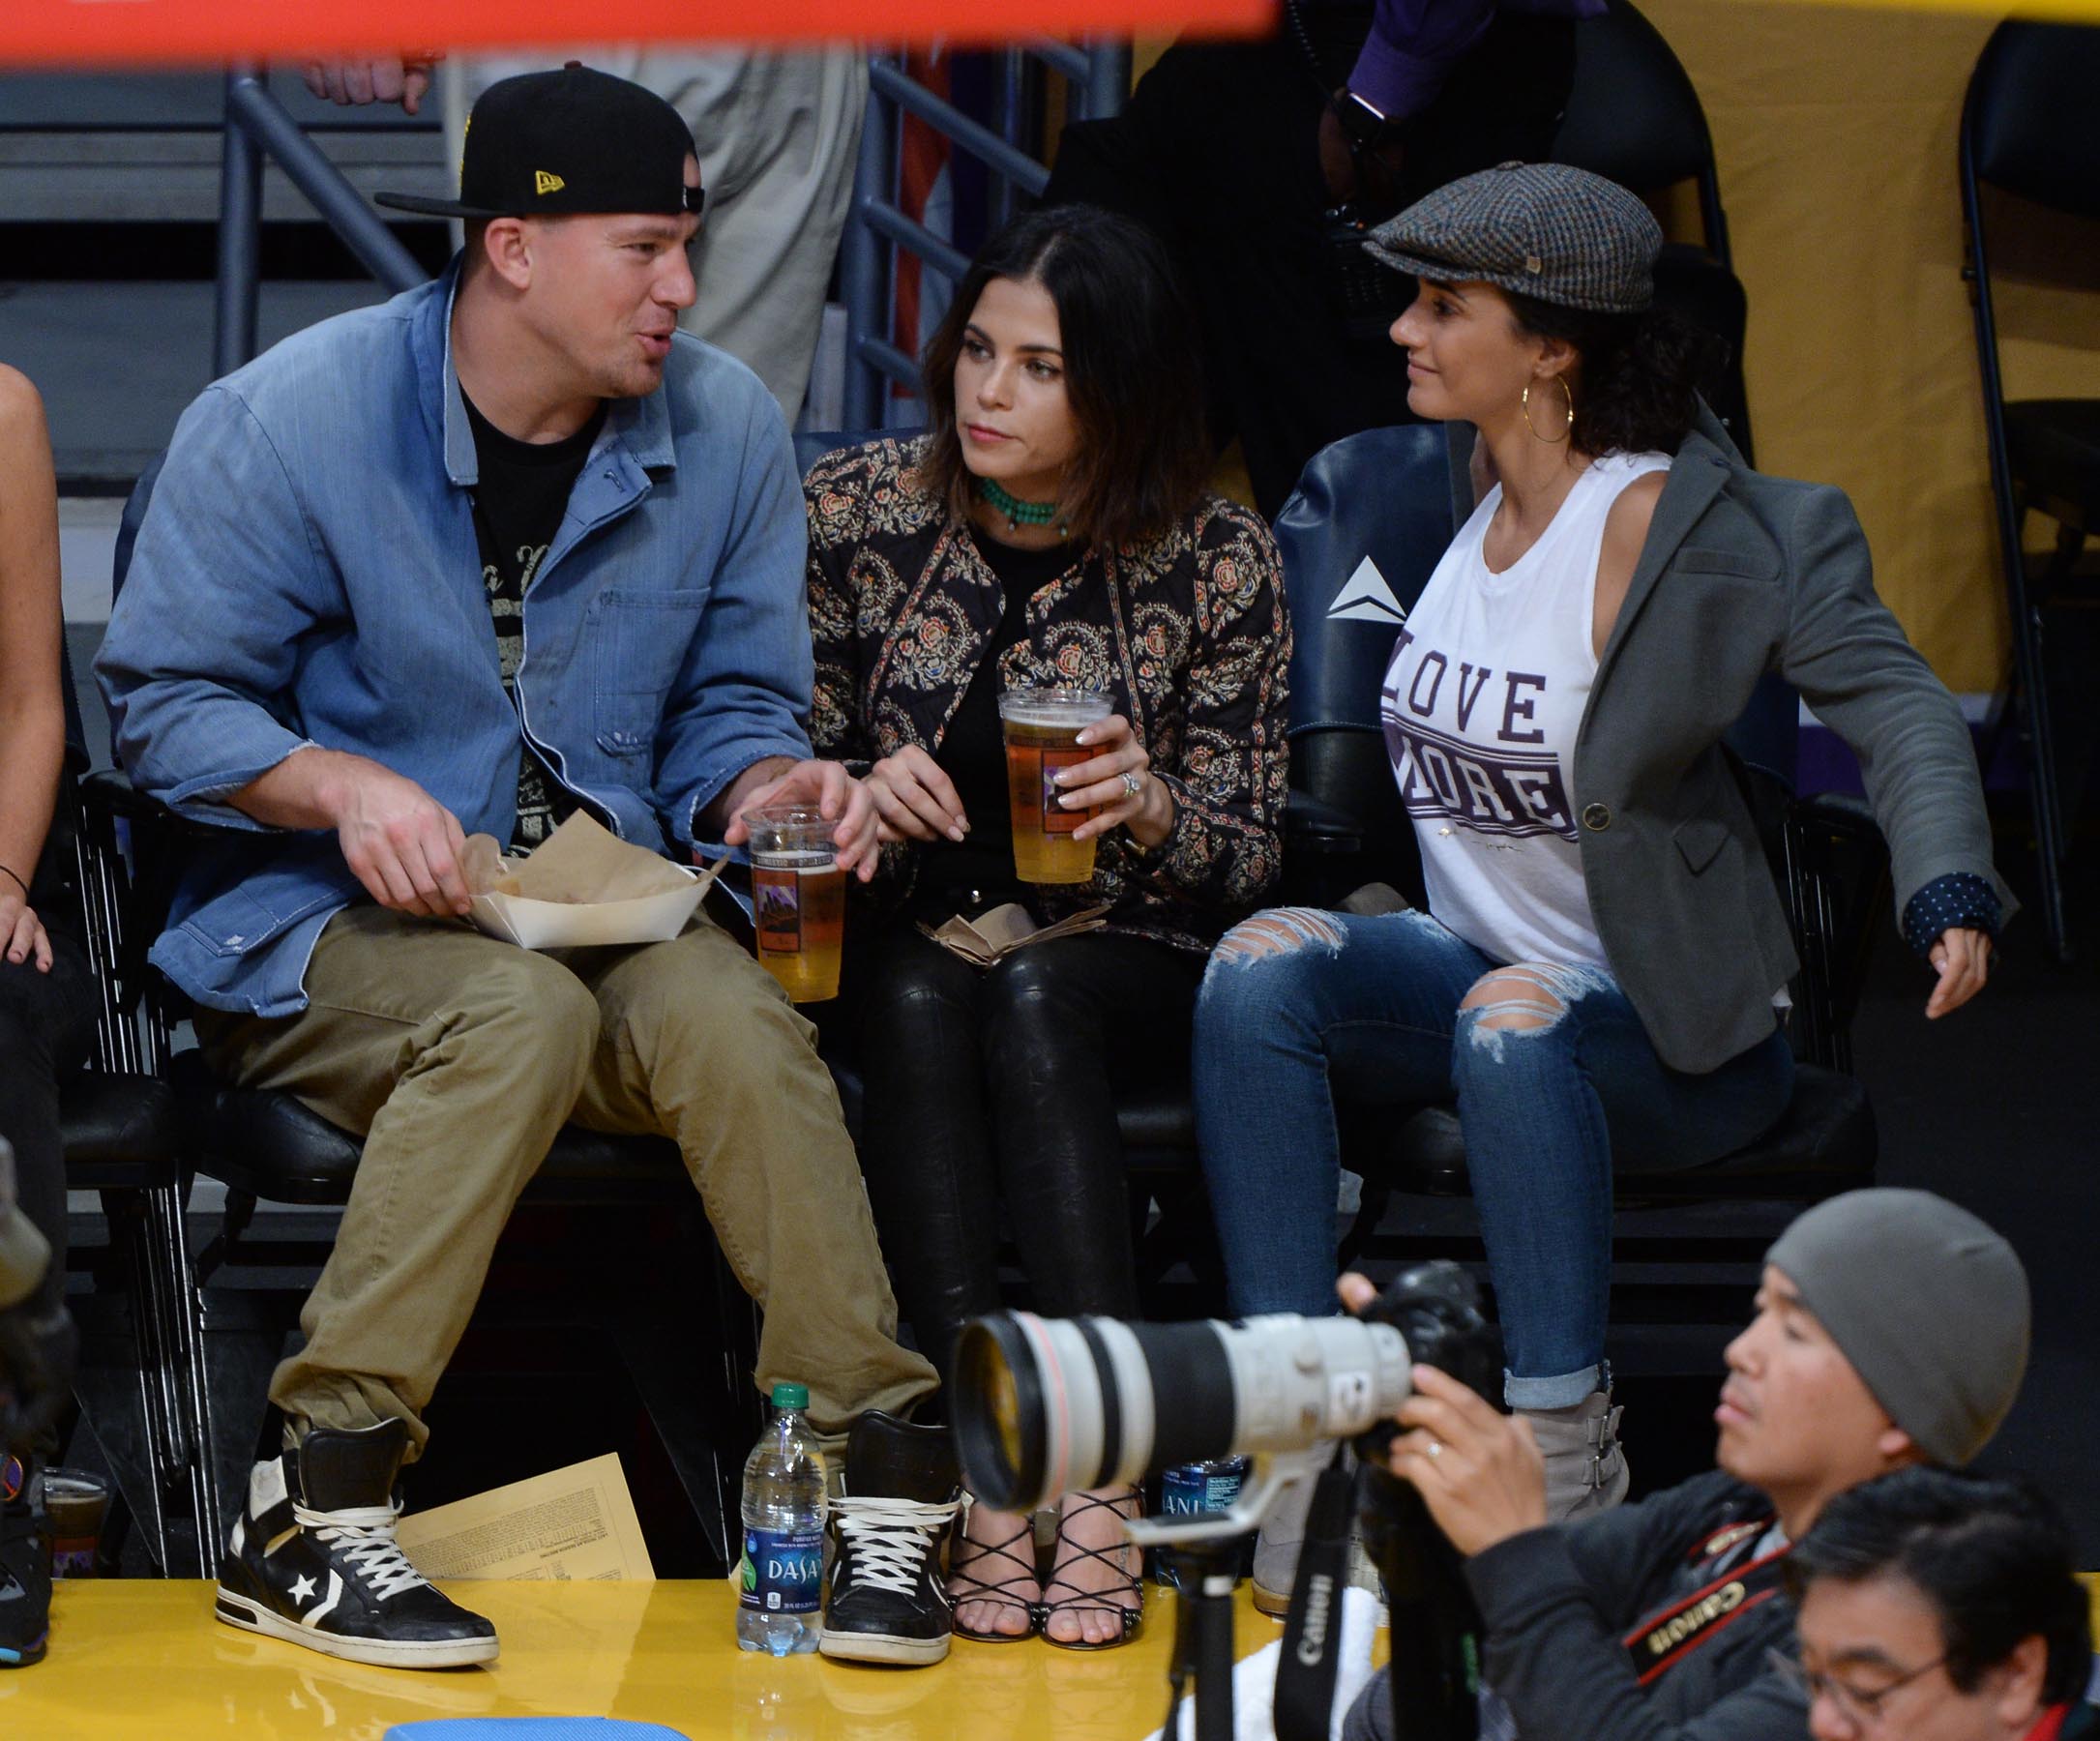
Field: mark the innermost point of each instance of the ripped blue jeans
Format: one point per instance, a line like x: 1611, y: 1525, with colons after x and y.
x: 1555, y: 1079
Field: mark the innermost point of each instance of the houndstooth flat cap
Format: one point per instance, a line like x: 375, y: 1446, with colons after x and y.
x: 1548, y: 230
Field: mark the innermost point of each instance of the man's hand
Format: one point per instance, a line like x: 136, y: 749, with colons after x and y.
x: 404, y: 846
x: 403, y: 78
x: 22, y: 936
x: 837, y: 796
x: 1371, y: 176
x: 1963, y: 961
x: 913, y: 799
x: 1478, y: 1470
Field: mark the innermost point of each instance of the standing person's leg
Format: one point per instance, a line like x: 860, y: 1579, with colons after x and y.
x: 778, y: 136
x: 1556, y: 1076
x: 456, y: 1058
x: 698, y: 1042
x: 1065, y: 1022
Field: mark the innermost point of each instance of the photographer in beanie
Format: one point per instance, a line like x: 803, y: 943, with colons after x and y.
x: 1891, y: 1330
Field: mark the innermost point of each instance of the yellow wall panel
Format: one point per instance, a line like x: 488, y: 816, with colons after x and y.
x: 1835, y: 129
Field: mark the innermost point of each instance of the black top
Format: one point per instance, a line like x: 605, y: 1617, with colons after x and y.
x: 979, y: 871
x: 1557, y: 1603
x: 519, y: 506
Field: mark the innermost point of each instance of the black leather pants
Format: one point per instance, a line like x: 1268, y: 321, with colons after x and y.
x: 983, y: 1085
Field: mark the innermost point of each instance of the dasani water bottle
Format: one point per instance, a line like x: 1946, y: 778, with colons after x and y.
x: 781, y: 1578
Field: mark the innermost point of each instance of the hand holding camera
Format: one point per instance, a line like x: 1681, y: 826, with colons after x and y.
x: 1478, y: 1470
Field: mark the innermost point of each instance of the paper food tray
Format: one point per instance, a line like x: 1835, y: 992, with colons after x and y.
x: 583, y: 925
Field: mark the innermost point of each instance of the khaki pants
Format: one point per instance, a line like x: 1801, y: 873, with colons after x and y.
x: 458, y: 1057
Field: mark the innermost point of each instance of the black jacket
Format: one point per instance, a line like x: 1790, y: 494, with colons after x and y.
x: 1557, y: 1603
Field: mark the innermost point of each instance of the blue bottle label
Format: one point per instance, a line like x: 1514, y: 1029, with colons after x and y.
x: 782, y: 1572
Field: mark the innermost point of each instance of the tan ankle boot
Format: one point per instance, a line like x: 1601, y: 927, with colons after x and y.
x: 1586, y: 1469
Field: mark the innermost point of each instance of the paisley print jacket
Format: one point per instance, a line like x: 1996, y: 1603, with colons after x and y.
x: 1187, y: 632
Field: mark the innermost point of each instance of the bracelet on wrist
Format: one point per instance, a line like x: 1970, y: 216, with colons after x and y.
x: 18, y: 877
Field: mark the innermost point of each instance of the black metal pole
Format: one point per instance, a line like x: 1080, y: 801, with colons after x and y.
x: 240, y: 236
x: 267, y: 123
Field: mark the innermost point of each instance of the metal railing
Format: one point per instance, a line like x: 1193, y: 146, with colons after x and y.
x: 256, y: 126
x: 1098, y: 80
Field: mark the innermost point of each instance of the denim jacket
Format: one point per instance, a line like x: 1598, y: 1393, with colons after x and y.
x: 307, y: 574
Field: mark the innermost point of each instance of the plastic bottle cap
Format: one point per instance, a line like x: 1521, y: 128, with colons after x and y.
x: 791, y: 1396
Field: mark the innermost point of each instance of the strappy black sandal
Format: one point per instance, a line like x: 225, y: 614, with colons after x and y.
x: 1101, y: 1602
x: 999, y: 1590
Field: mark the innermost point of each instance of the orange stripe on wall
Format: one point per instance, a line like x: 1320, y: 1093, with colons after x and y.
x: 83, y: 31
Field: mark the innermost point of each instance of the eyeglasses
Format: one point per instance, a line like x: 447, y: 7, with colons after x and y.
x: 1860, y: 1705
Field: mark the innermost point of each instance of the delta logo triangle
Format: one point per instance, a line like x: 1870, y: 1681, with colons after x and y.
x: 1365, y: 597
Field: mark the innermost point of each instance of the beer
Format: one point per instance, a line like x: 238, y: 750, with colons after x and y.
x: 798, y: 897
x: 1042, y: 728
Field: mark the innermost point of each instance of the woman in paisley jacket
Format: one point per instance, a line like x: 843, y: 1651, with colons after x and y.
x: 1051, y: 527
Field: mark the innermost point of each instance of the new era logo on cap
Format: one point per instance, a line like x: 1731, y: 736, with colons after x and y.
x: 1365, y: 597
x: 619, y: 149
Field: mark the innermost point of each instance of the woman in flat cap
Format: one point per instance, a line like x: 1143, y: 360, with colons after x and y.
x: 1599, y: 981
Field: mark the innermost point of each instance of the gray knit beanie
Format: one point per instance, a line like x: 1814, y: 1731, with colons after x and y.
x: 1928, y: 1304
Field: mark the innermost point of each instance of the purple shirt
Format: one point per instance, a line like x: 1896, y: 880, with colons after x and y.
x: 1414, y: 44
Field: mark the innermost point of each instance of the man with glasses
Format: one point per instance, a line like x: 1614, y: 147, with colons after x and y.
x: 1942, y: 1606
x: 1892, y: 1331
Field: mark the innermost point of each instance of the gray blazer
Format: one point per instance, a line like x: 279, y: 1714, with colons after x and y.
x: 1743, y: 574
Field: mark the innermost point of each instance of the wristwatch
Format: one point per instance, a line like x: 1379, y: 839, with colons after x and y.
x: 1363, y: 124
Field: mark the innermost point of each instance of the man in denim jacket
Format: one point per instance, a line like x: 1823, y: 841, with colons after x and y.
x: 507, y: 547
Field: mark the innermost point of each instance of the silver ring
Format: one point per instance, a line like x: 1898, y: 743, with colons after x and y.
x: 1132, y: 785
x: 1436, y: 1447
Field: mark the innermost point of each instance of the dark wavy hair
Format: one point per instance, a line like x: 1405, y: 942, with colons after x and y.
x: 1133, y: 373
x: 1640, y: 374
x: 1991, y: 1558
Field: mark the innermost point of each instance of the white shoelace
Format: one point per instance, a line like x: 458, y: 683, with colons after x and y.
x: 365, y: 1534
x: 891, y: 1537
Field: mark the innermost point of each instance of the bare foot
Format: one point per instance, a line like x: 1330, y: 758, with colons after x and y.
x: 991, y: 1578
x: 1094, y: 1587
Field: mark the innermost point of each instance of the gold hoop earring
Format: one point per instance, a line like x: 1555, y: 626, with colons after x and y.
x: 1525, y: 405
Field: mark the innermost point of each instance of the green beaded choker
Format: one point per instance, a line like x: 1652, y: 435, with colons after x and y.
x: 1017, y: 513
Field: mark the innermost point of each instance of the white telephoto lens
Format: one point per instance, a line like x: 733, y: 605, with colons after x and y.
x: 1298, y: 1379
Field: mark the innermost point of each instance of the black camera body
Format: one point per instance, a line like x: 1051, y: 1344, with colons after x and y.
x: 1365, y: 296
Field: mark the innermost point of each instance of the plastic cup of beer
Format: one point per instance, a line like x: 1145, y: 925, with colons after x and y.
x: 1043, y: 726
x: 798, y: 893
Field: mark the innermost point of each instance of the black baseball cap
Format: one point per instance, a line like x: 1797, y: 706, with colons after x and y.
x: 546, y: 144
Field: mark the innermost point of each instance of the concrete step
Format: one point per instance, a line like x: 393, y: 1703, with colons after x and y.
x: 117, y: 361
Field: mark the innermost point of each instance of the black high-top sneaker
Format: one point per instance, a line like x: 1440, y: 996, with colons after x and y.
x: 25, y: 1568
x: 313, y: 1560
x: 888, y: 1603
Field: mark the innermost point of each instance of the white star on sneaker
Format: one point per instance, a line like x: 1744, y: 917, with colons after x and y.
x: 302, y: 1591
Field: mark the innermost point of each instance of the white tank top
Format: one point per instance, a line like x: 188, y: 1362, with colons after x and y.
x: 1482, y: 702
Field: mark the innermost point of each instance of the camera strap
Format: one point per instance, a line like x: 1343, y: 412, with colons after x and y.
x: 1305, y: 1673
x: 1661, y: 1641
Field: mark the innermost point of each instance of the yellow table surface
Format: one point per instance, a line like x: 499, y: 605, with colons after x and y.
x: 144, y: 1658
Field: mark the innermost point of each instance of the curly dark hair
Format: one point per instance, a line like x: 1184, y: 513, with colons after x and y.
x: 1132, y: 373
x: 1639, y: 377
